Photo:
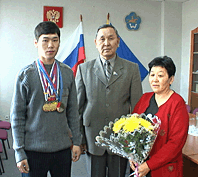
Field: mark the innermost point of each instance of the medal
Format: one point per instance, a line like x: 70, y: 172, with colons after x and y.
x: 50, y: 106
x: 46, y: 107
x: 53, y: 105
x: 50, y: 86
x: 60, y: 107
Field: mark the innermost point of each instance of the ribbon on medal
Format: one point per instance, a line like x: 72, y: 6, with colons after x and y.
x: 50, y: 86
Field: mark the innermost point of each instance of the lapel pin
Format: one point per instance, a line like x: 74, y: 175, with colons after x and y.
x: 114, y: 73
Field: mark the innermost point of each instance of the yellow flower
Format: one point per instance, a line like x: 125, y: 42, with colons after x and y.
x: 118, y: 125
x: 146, y: 124
x: 132, y: 123
x: 129, y: 124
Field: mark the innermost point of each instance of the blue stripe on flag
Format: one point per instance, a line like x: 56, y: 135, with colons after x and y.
x: 72, y: 58
x: 124, y: 52
x: 81, y: 41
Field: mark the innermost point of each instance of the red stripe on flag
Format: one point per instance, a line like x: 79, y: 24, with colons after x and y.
x: 81, y: 58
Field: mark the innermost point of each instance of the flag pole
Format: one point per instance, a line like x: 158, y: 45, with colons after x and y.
x: 81, y: 17
x: 108, y: 16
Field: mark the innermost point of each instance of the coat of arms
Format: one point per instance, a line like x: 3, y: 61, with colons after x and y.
x: 53, y: 14
x: 132, y: 21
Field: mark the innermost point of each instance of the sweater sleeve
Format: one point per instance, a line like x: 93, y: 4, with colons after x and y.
x: 18, y: 116
x: 177, y: 134
x: 72, y: 115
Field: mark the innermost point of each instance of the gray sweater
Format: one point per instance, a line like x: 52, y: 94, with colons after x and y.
x: 36, y: 130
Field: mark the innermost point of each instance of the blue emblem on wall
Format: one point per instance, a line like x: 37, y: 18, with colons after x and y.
x: 132, y: 21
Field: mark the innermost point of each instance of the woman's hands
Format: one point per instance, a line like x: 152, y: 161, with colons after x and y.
x: 142, y: 170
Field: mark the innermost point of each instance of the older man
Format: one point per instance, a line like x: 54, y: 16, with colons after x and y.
x: 107, y: 88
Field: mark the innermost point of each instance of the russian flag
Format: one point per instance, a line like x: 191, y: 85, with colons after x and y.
x: 73, y: 52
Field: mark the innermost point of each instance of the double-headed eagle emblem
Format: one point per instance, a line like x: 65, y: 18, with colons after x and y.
x: 53, y: 15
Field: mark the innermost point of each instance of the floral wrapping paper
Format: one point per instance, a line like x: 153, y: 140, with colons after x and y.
x: 131, y: 136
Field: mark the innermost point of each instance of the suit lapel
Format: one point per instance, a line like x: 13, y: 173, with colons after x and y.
x: 117, y: 71
x: 99, y: 71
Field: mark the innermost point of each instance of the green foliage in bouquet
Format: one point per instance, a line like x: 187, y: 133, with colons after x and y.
x: 131, y: 136
x: 137, y: 142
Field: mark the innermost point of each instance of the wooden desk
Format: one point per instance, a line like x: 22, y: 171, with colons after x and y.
x: 190, y: 149
x: 191, y: 146
x: 190, y: 152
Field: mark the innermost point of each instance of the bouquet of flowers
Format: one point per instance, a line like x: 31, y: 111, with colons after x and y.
x: 131, y: 136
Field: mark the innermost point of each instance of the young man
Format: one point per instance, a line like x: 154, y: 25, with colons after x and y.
x: 44, y: 110
x: 107, y: 88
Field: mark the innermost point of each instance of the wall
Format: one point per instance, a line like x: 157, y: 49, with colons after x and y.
x: 189, y: 22
x: 171, y: 36
x: 19, y: 18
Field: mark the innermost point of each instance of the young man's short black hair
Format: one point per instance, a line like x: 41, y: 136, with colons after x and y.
x: 107, y: 26
x: 46, y: 27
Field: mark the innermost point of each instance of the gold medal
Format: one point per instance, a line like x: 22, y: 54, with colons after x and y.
x: 46, y: 107
x: 53, y: 105
x: 50, y: 106
x: 60, y: 107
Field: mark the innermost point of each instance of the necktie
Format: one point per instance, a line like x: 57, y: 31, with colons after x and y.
x: 107, y: 67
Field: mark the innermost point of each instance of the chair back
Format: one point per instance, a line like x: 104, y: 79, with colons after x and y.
x: 5, y: 125
x: 188, y: 108
x: 3, y: 134
x: 195, y: 110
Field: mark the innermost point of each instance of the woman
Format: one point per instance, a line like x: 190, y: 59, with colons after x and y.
x: 165, y: 159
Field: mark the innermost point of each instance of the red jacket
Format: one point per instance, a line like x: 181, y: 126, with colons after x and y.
x: 166, y: 154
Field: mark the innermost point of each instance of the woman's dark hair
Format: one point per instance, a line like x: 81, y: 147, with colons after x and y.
x: 164, y: 62
x: 46, y: 27
x: 107, y: 26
